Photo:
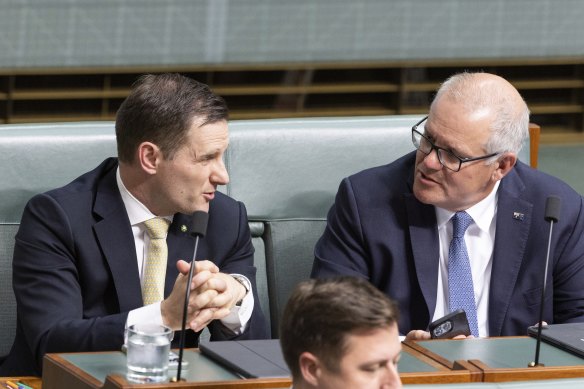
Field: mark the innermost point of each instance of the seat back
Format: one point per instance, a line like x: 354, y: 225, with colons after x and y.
x: 7, y: 301
x: 40, y: 157
x: 286, y: 171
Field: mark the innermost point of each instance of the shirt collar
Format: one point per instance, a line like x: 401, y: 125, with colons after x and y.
x: 137, y: 212
x: 482, y: 213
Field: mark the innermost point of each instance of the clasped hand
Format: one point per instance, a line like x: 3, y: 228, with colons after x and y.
x: 212, y: 296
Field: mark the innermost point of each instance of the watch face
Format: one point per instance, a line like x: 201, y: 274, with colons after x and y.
x: 243, y: 282
x: 246, y: 285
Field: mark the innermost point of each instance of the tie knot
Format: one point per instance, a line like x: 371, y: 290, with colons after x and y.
x: 460, y: 222
x: 157, y: 227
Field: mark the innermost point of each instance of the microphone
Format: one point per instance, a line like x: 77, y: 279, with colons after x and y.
x: 552, y: 215
x: 198, y: 230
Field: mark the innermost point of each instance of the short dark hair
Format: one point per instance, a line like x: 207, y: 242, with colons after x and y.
x: 161, y: 109
x: 322, y: 313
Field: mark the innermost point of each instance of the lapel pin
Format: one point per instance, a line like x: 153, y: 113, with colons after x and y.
x: 183, y: 228
x: 518, y: 216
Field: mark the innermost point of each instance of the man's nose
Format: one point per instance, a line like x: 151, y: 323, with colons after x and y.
x: 391, y: 379
x: 432, y: 161
x: 220, y: 175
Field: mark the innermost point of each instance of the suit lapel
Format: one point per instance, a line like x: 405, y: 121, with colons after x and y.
x: 114, y: 236
x: 425, y: 247
x: 514, y: 216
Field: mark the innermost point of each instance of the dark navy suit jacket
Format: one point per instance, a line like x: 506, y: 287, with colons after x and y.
x: 76, y: 273
x: 378, y: 230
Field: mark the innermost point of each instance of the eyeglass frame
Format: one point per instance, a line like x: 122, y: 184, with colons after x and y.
x: 438, y: 149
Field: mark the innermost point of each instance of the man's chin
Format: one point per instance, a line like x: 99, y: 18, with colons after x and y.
x: 204, y: 207
x: 425, y: 196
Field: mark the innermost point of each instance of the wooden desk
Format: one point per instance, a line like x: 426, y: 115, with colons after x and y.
x: 417, y: 368
x: 503, y: 359
x: 424, y: 362
x: 107, y: 370
x: 33, y: 382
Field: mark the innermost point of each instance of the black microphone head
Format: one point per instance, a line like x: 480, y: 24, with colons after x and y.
x: 553, y: 205
x: 199, y: 224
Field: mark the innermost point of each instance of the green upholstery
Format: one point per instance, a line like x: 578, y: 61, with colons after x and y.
x: 37, y: 158
x: 286, y: 171
x: 7, y: 303
x: 45, y: 156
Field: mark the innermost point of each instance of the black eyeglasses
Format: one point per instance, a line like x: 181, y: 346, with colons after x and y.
x: 447, y: 158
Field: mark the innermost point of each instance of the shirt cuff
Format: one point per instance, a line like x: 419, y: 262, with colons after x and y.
x: 147, y: 314
x: 239, y: 316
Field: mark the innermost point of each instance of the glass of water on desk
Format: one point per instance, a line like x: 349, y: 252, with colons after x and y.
x: 148, y: 346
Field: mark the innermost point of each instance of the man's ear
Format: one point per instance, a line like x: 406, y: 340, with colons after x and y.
x: 148, y: 157
x: 310, y: 368
x: 504, y: 165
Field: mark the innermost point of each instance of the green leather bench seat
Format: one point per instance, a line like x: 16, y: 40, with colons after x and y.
x: 286, y: 171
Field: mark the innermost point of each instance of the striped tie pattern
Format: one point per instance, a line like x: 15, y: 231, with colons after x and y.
x: 460, y: 285
x: 155, y: 267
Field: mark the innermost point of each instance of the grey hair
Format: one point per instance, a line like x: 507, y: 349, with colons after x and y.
x: 509, y: 128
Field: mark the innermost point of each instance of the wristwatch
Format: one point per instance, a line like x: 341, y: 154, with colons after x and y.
x: 246, y: 285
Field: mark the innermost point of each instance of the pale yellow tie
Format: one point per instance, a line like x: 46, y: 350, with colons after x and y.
x: 155, y: 266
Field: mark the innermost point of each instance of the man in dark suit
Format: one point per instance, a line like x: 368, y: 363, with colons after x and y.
x: 83, y: 251
x: 394, y: 224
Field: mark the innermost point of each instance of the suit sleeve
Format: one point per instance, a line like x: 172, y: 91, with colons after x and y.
x: 569, y: 267
x: 239, y: 260
x: 341, y: 250
x: 47, y: 288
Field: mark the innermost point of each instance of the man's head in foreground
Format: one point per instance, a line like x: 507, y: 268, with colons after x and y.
x: 341, y: 333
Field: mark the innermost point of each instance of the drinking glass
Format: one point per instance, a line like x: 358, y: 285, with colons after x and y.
x: 148, y: 346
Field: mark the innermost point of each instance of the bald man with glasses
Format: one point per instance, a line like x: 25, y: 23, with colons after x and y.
x: 459, y: 222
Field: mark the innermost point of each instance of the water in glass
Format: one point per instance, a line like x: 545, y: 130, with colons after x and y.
x: 147, y: 352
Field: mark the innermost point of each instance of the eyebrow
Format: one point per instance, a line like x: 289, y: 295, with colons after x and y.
x: 207, y: 155
x: 433, y: 139
x: 376, y: 362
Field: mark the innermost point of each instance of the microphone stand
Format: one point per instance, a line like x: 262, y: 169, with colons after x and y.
x: 552, y: 214
x: 540, y: 323
x: 198, y: 229
x: 184, y: 318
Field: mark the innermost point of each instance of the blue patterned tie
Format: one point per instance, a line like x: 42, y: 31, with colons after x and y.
x: 460, y: 286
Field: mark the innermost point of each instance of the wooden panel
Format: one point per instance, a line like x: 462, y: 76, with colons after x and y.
x: 66, y: 94
x: 534, y: 139
x: 33, y: 382
x: 528, y: 373
x: 509, y: 358
x: 553, y: 88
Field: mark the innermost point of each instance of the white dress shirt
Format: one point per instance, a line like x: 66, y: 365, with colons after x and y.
x: 480, y: 242
x: 137, y: 212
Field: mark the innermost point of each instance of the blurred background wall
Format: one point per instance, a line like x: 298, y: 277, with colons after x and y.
x: 157, y: 32
x: 70, y: 60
